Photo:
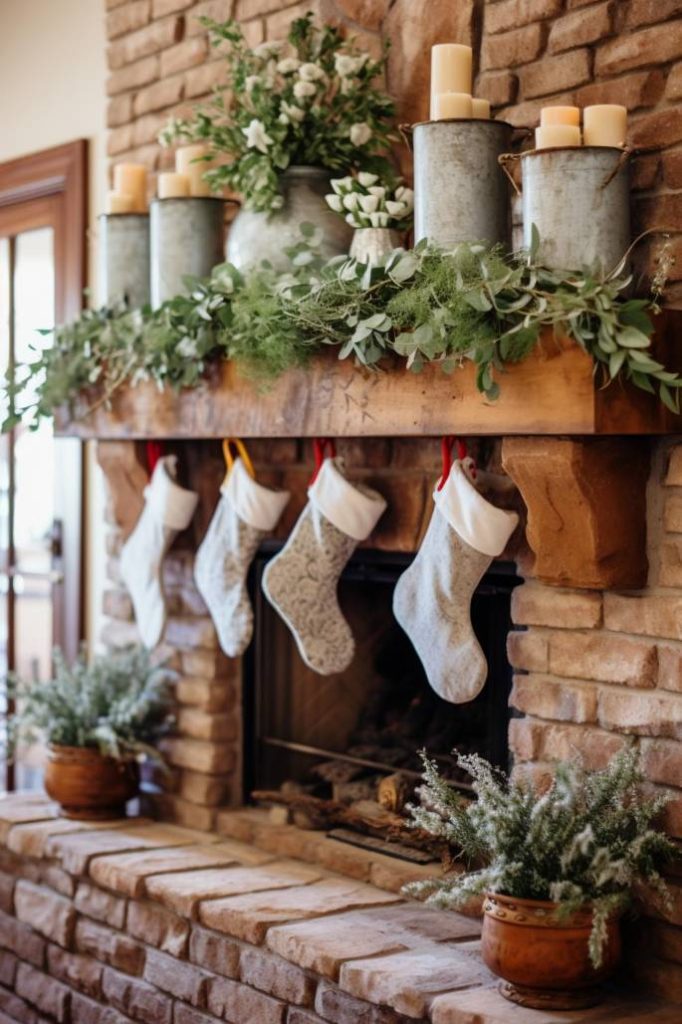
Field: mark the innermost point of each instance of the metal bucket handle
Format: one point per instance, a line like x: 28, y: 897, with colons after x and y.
x: 625, y: 155
x: 504, y: 159
x: 406, y: 133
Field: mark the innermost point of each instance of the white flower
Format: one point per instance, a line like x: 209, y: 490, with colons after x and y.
x: 256, y: 136
x: 351, y: 201
x: 346, y: 66
x: 341, y: 185
x: 334, y: 203
x: 303, y: 258
x: 303, y: 89
x: 369, y: 204
x: 405, y: 195
x: 311, y: 72
x: 396, y: 209
x: 251, y: 81
x: 360, y: 133
x: 277, y: 203
x: 377, y: 190
x: 187, y: 348
x: 352, y: 220
x: 266, y: 50
x: 292, y: 112
x: 379, y: 220
x: 288, y: 65
x: 366, y: 179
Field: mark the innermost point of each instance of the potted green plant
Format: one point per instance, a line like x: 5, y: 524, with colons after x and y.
x: 99, y: 720
x: 378, y: 209
x: 291, y: 114
x: 555, y: 868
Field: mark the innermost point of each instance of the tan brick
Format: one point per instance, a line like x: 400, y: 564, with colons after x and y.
x: 497, y: 86
x: 207, y: 790
x: 408, y: 981
x: 87, y: 1011
x: 227, y: 998
x: 200, y: 755
x: 210, y: 695
x: 119, y: 111
x: 528, y: 650
x: 182, y: 980
x: 662, y: 761
x: 249, y: 917
x: 171, y: 807
x: 127, y: 18
x: 500, y: 17
x: 641, y: 89
x: 277, y: 977
x: 159, y: 95
x: 214, y: 952
x: 660, y: 128
x: 655, y: 45
x: 218, y: 10
x: 650, y: 615
x: 133, y: 76
x: 553, y: 74
x: 158, y: 927
x: 22, y: 940
x: 659, y: 212
x: 109, y: 946
x: 186, y: 1015
x: 148, y: 40
x: 45, y: 912
x: 209, y: 665
x: 45, y: 993
x: 202, y: 725
x: 126, y: 873
x: 608, y: 659
x: 81, y: 972
x: 160, y: 8
x: 535, y: 605
x: 554, y: 698
x: 101, y: 905
x: 184, y: 892
x: 533, y: 740
x: 580, y: 28
x: 673, y: 90
x: 672, y: 168
x: 645, y: 714
x: 75, y: 851
x: 277, y: 25
x: 643, y: 12
x: 509, y: 49
x: 184, y: 55
x: 118, y: 141
x: 8, y: 968
x: 136, y: 998
x: 645, y: 171
x: 16, y: 809
x: 204, y: 79
x: 324, y: 944
x: 670, y: 667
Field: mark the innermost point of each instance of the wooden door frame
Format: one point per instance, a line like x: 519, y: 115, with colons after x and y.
x: 59, y: 177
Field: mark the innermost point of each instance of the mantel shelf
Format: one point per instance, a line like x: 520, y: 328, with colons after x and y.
x: 551, y: 393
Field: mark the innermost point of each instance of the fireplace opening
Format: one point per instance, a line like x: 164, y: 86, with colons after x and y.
x: 336, y: 737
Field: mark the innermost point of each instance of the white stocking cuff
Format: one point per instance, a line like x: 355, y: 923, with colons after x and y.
x: 481, y: 525
x: 256, y: 505
x: 173, y: 504
x: 355, y: 512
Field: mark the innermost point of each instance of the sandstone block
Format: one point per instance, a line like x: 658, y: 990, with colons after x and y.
x: 535, y: 605
x: 77, y: 971
x: 126, y: 873
x: 548, y: 697
x: 641, y: 89
x: 127, y: 18
x: 159, y: 95
x: 17, y: 808
x: 228, y: 998
x: 109, y: 946
x: 214, y: 952
x: 608, y: 659
x: 497, y: 86
x: 6, y: 891
x: 662, y: 761
x: 8, y: 968
x: 136, y: 999
x: 203, y: 725
x: 209, y: 665
x: 186, y: 54
x: 514, y: 47
x: 500, y: 17
x: 44, y: 911
x: 553, y: 74
x: 200, y: 755
x: 157, y: 926
x: 272, y: 974
x: 219, y: 10
x: 645, y: 714
x: 657, y: 129
x: 650, y: 615
x: 528, y: 650
x: 202, y: 80
x: 581, y: 27
x: 45, y: 993
x: 148, y: 40
x: 182, y: 980
x: 670, y: 667
x: 22, y: 940
x: 87, y: 1011
x: 655, y: 45
x: 209, y: 695
x: 160, y: 8
x: 101, y: 905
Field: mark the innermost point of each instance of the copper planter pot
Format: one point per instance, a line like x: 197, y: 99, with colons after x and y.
x: 544, y: 960
x: 88, y: 786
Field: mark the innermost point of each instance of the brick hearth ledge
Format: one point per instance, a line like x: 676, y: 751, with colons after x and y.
x: 136, y: 921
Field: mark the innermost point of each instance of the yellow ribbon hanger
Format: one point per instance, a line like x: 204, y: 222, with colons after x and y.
x: 243, y: 454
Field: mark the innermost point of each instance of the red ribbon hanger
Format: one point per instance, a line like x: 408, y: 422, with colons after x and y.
x: 154, y: 452
x: 446, y: 445
x: 320, y: 446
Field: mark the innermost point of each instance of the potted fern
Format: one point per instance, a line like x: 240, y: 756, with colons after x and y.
x: 555, y: 869
x: 99, y: 721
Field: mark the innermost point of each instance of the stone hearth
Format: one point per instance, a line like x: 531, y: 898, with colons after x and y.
x: 134, y: 920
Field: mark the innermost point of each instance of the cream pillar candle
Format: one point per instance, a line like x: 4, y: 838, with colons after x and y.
x: 185, y: 158
x: 451, y: 104
x: 480, y: 108
x: 172, y: 185
x: 560, y: 115
x: 131, y: 179
x: 551, y: 136
x: 120, y: 202
x: 605, y: 124
x: 450, y: 70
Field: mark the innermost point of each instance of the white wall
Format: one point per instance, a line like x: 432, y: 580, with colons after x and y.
x: 52, y: 83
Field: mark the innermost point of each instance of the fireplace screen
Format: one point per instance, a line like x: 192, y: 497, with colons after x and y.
x: 337, y: 736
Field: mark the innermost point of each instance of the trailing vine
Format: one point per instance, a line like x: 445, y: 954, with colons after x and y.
x: 472, y: 303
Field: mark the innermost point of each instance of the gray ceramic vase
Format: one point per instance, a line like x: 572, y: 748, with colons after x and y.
x: 373, y: 245
x: 254, y: 237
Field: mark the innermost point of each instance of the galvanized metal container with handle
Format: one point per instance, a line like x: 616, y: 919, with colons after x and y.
x: 461, y: 193
x: 186, y: 241
x: 124, y: 258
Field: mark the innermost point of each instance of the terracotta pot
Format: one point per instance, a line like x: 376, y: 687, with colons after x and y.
x: 87, y: 785
x: 544, y: 960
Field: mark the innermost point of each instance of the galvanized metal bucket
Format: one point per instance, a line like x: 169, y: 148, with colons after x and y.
x: 124, y: 258
x: 579, y: 201
x: 186, y: 241
x: 461, y: 193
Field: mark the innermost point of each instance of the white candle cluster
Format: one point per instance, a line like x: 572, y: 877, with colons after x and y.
x: 603, y: 124
x: 451, y: 94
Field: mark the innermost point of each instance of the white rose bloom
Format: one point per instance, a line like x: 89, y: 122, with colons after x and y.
x: 311, y: 72
x: 377, y: 190
x: 366, y: 179
x: 378, y: 220
x: 369, y: 204
x: 360, y: 133
x: 334, y: 202
x: 396, y: 209
x: 292, y: 112
x: 277, y: 203
x: 256, y: 136
x: 252, y: 81
x: 341, y: 185
x: 303, y: 89
x: 351, y: 201
x: 187, y: 348
x: 346, y: 66
x: 266, y: 50
x: 405, y: 195
x: 288, y: 65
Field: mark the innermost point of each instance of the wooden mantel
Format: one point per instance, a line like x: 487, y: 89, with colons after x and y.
x: 551, y: 393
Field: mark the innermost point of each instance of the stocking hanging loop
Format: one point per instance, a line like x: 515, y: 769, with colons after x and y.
x: 240, y: 447
x: 447, y: 443
x: 154, y: 451
x: 323, y: 448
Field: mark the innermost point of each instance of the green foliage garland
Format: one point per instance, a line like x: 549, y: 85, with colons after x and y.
x: 471, y: 303
x: 587, y: 840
